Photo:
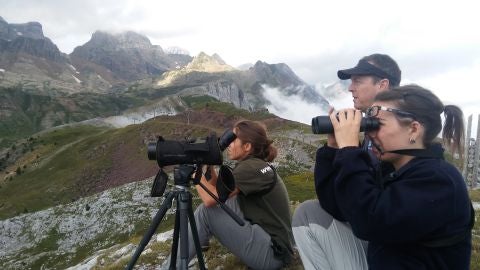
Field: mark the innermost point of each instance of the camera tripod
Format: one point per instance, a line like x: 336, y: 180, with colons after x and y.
x: 184, y: 214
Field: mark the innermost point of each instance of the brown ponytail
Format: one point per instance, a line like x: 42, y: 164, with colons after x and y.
x: 453, y: 130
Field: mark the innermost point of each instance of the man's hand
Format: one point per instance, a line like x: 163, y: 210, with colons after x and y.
x: 331, y: 141
x: 346, y: 125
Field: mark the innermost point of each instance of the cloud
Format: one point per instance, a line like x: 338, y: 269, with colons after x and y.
x: 297, y: 109
x: 291, y: 107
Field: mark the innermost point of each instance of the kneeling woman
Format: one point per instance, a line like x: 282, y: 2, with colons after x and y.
x: 259, y: 197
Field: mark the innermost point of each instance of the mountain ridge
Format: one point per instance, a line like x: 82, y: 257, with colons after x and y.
x: 113, y: 73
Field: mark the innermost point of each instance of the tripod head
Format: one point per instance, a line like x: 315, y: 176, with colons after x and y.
x: 182, y: 175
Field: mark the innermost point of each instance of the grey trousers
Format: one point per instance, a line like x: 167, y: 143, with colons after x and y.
x: 250, y: 243
x: 324, y: 242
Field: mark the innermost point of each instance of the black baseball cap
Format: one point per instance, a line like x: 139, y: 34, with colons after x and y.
x: 365, y: 68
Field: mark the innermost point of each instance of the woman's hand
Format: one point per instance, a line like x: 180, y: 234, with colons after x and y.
x: 346, y: 125
x: 210, y: 185
x: 212, y: 173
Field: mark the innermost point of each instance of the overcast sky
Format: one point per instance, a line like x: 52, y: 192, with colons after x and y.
x: 436, y: 43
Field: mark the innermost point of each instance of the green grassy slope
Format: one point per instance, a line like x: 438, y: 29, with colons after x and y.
x: 47, y: 174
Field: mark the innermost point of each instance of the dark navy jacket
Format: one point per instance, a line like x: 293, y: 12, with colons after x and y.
x: 425, y: 200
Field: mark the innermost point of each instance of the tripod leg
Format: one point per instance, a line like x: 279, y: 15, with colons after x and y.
x: 196, y: 239
x: 183, y: 215
x: 176, y: 231
x: 183, y: 203
x: 167, y: 203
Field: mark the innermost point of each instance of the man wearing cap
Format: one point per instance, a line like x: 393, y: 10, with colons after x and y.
x: 372, y: 74
x: 323, y: 241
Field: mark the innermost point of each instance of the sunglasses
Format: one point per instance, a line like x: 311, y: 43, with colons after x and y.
x: 374, y: 110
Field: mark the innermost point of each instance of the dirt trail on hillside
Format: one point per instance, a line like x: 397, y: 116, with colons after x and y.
x: 65, y: 147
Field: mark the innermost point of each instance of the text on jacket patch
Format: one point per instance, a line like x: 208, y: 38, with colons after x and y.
x: 266, y: 169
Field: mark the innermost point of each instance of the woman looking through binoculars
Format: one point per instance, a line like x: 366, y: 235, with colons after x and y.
x: 411, y: 212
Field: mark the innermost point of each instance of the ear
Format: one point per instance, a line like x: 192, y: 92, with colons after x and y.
x: 384, y: 84
x: 247, y: 147
x: 416, y: 131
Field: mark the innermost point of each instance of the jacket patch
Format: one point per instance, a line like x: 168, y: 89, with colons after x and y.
x: 265, y: 170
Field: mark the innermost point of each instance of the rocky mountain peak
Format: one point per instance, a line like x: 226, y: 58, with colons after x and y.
x: 281, y: 76
x: 125, y: 40
x: 205, y: 63
x: 28, y: 30
x: 336, y: 90
x: 282, y: 72
x: 27, y: 39
x: 129, y: 39
x: 218, y: 58
x: 3, y: 27
x: 128, y: 55
x: 100, y: 38
x: 176, y: 50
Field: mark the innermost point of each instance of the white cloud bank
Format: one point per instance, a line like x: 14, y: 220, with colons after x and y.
x: 297, y: 109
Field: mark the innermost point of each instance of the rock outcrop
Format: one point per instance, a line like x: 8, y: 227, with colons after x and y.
x: 129, y: 56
